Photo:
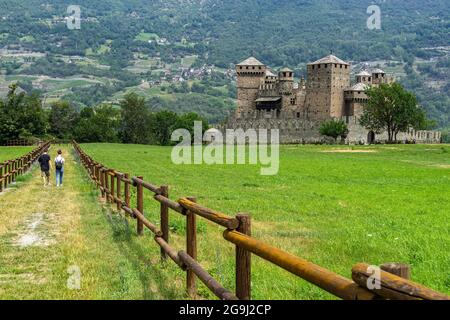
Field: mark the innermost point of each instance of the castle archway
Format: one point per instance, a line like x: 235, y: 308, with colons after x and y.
x: 371, y: 137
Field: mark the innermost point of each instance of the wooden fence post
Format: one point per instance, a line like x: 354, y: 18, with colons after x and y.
x: 140, y: 206
x: 9, y: 172
x: 191, y: 249
x: 399, y: 269
x: 127, y: 191
x: 1, y: 177
x: 164, y: 216
x: 119, y: 192
x: 112, y: 188
x: 106, y: 181
x: 102, y: 182
x: 243, y: 260
x: 98, y: 176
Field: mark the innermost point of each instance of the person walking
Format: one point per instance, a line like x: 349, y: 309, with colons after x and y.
x: 44, y: 162
x: 59, y: 167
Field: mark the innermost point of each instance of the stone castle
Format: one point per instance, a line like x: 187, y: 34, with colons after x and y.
x: 269, y: 101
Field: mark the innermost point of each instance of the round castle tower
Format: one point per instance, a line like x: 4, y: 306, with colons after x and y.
x: 286, y: 80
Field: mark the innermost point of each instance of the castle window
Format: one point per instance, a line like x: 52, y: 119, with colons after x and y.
x: 246, y: 68
x: 346, y: 67
x: 298, y: 114
x: 313, y: 67
x: 326, y: 66
x: 335, y: 65
x: 318, y: 66
x: 370, y: 78
x: 340, y: 66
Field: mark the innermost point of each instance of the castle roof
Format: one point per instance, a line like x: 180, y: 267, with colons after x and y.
x: 359, y: 87
x: 329, y: 59
x: 270, y: 73
x: 286, y: 70
x: 364, y: 73
x: 377, y: 71
x: 251, y: 62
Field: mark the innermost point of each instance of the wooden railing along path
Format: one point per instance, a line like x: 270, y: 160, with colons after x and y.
x: 10, y: 169
x: 115, y: 188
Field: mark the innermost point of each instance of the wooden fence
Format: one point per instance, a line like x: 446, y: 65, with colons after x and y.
x: 115, y: 187
x: 10, y: 169
x: 20, y: 142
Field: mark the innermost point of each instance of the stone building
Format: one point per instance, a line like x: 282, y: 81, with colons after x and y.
x: 266, y: 100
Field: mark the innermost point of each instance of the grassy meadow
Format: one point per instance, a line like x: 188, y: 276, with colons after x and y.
x: 335, y: 206
x: 9, y: 153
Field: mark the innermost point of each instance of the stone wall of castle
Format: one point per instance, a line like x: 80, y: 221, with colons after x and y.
x: 358, y: 134
x: 296, y: 129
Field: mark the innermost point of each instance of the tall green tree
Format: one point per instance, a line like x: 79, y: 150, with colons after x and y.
x: 393, y: 109
x: 100, y: 124
x: 63, y: 119
x: 163, y: 124
x: 21, y: 115
x: 136, y: 120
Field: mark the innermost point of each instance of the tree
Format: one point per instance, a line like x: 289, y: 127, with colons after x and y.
x: 63, y: 119
x: 186, y: 121
x: 393, y: 109
x: 334, y: 129
x: 135, y: 120
x: 163, y: 124
x: 100, y: 124
x: 21, y: 115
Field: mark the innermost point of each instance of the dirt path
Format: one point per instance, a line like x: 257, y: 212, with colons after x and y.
x: 59, y: 243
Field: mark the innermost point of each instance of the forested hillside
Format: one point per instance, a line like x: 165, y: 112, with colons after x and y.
x: 168, y: 50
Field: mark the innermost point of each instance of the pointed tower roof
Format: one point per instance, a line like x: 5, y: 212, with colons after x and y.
x: 377, y: 71
x: 269, y: 73
x: 329, y: 59
x: 251, y: 62
x: 364, y: 73
x: 359, y: 87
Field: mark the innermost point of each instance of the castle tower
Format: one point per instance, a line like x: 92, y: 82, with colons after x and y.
x: 251, y: 74
x: 327, y: 80
x: 364, y: 77
x: 378, y: 77
x: 286, y: 80
x: 270, y: 77
x: 302, y: 83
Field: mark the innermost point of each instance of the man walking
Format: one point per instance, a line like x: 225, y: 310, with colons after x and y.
x: 44, y: 161
x: 59, y: 166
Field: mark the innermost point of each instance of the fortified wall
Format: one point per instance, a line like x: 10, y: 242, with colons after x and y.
x: 295, y: 129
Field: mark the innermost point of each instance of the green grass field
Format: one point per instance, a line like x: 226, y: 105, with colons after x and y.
x: 335, y: 206
x: 10, y: 153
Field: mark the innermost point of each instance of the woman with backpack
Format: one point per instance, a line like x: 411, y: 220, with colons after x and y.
x: 59, y: 166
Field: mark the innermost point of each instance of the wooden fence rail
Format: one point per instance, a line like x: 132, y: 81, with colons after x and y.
x: 115, y: 188
x: 11, y: 169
